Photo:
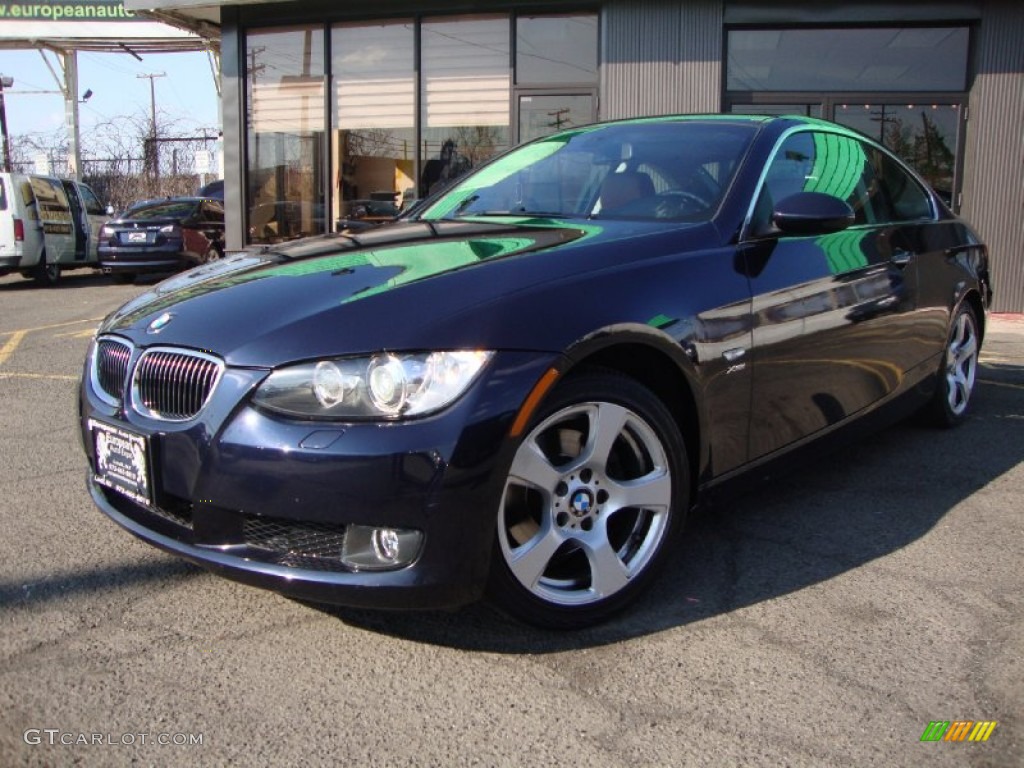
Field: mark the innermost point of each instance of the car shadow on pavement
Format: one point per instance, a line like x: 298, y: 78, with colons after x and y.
x: 837, y: 513
x: 81, y: 279
x: 68, y: 281
x: 69, y: 584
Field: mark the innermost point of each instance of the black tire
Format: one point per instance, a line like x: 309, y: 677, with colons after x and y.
x: 596, y: 492
x: 956, y: 378
x: 46, y: 273
x: 212, y: 254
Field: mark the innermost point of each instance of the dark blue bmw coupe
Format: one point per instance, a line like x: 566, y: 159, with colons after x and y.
x: 521, y: 389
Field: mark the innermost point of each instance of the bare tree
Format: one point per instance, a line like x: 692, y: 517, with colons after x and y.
x: 115, y: 155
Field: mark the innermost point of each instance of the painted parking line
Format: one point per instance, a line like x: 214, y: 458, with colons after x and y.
x: 1007, y: 384
x: 10, y: 345
x: 44, y: 376
x: 15, y: 337
x: 52, y: 325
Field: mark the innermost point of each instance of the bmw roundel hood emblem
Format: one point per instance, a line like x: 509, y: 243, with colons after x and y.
x: 160, y: 323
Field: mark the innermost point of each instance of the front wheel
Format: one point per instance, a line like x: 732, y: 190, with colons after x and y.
x: 596, y: 491
x: 959, y: 369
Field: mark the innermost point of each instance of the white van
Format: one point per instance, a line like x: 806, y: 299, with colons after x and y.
x: 47, y: 225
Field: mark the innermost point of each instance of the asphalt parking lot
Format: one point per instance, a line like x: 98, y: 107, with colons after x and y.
x: 826, y: 619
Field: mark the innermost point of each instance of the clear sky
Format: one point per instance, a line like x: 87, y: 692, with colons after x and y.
x: 187, y: 95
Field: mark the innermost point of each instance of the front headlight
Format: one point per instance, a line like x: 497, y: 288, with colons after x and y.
x: 385, y: 386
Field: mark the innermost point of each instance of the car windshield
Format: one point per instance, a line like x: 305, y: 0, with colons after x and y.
x: 650, y: 171
x: 165, y: 209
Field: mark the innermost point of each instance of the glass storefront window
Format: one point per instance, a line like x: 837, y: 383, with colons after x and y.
x: 466, y: 80
x: 554, y: 49
x: 373, y: 122
x: 286, y: 124
x: 807, y: 110
x: 339, y: 144
x: 856, y: 60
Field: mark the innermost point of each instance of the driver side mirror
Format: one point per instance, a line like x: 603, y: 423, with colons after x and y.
x: 812, y: 213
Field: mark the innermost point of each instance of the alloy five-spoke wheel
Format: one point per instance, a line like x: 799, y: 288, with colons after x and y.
x: 959, y: 369
x: 594, y: 494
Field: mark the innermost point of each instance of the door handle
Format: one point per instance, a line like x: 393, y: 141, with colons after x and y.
x: 901, y: 258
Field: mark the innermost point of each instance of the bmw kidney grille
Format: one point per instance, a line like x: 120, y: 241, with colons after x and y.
x: 168, y: 384
x: 110, y: 368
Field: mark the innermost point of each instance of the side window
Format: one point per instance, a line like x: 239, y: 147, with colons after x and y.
x: 92, y: 203
x: 3, y: 196
x: 829, y: 163
x: 906, y: 198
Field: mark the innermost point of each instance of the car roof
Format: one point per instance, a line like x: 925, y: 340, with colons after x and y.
x: 780, y: 122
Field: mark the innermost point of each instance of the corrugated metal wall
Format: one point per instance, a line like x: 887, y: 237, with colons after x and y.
x: 994, y: 160
x: 661, y: 57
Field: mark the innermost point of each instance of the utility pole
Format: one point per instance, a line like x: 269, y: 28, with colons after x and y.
x: 153, y: 155
x: 560, y: 118
x: 5, y: 82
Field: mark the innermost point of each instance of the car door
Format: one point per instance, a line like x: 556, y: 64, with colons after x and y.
x: 834, y: 329
x: 54, y: 212
x: 79, y: 222
x: 95, y: 216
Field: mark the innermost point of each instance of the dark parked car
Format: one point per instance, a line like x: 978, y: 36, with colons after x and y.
x: 215, y: 190
x: 161, y: 235
x: 364, y: 214
x: 282, y: 220
x: 525, y: 388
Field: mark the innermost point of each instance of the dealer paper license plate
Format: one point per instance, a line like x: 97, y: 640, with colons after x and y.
x: 122, y: 461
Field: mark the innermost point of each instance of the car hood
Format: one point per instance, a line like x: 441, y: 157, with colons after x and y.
x: 383, y: 289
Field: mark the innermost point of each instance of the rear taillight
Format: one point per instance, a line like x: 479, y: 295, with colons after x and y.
x: 19, y: 230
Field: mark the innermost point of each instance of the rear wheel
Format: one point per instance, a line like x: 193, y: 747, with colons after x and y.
x: 46, y: 273
x: 212, y: 254
x: 596, y: 490
x: 959, y: 368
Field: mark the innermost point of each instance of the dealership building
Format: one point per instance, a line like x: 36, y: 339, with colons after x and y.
x: 334, y: 109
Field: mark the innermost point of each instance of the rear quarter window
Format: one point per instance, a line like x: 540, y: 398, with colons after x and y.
x: 3, y: 196
x: 908, y: 201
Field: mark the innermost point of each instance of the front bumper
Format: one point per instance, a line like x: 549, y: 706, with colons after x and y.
x: 407, y: 588
x: 222, y: 480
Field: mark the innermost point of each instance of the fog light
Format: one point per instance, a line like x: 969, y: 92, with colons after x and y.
x: 367, y: 548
